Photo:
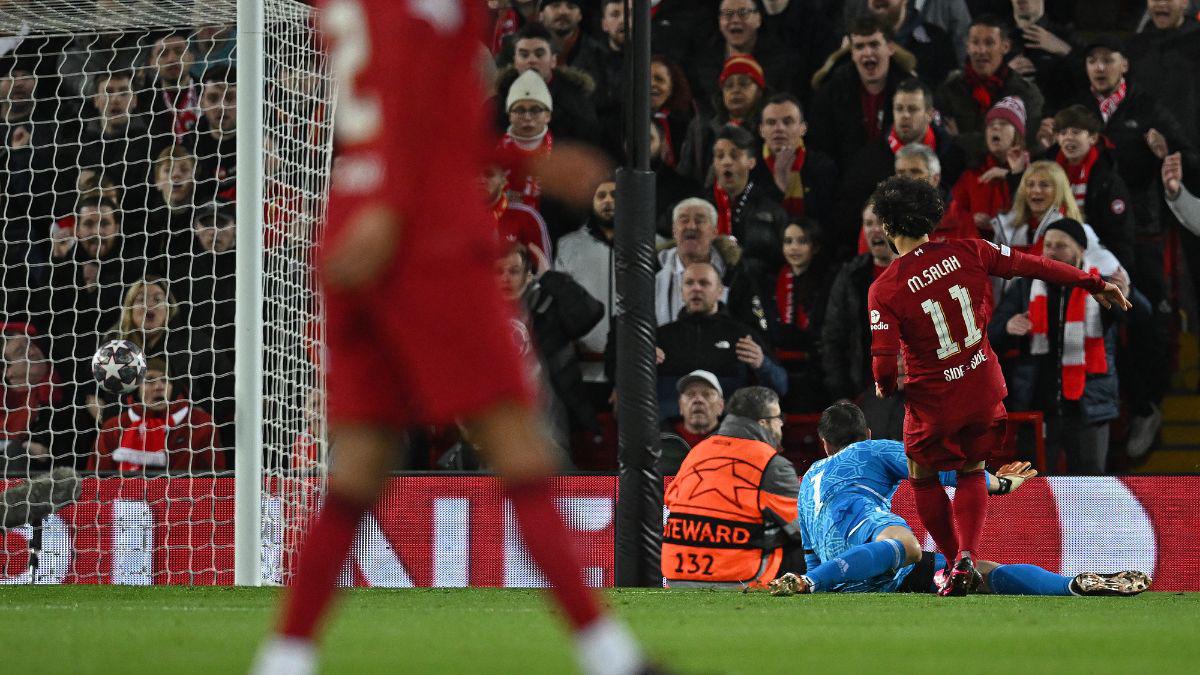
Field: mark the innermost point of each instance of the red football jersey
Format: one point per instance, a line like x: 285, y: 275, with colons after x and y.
x: 935, y: 304
x: 403, y: 68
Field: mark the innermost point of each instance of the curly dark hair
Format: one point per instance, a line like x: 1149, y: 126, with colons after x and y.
x: 907, y: 207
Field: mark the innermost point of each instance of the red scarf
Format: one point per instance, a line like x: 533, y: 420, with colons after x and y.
x: 790, y: 311
x: 21, y: 404
x: 1108, y: 104
x: 184, y: 105
x: 500, y: 207
x: 1078, y: 174
x: 793, y: 196
x: 724, y: 210
x: 664, y: 125
x: 894, y: 142
x: 984, y: 89
x: 1082, y: 336
x: 144, y: 442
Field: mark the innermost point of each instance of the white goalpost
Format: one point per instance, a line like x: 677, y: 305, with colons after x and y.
x: 137, y: 204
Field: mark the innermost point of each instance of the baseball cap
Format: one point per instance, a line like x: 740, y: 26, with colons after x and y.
x: 1108, y: 42
x: 699, y: 376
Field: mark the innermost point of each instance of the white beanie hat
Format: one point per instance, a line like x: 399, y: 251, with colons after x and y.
x: 529, y: 86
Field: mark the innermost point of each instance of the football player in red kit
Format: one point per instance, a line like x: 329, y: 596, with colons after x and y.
x: 931, y: 306
x: 408, y: 233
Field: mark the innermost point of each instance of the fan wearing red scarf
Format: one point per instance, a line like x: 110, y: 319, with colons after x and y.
x: 417, y: 331
x: 158, y: 433
x: 967, y: 95
x: 932, y: 305
x: 984, y: 192
x: 1066, y: 367
x: 1099, y: 191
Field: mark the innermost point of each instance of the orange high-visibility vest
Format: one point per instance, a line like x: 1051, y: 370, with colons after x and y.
x: 714, y: 532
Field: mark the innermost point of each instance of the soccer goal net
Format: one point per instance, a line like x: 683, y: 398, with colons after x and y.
x: 150, y: 196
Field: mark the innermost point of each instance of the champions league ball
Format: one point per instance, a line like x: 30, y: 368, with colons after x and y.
x: 119, y: 366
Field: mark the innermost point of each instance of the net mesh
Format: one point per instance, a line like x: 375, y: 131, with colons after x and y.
x: 118, y: 162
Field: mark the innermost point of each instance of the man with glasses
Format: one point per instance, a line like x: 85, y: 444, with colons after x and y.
x: 527, y: 139
x: 739, y: 25
x: 733, y: 518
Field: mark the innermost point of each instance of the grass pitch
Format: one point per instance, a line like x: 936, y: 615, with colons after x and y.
x: 215, y: 630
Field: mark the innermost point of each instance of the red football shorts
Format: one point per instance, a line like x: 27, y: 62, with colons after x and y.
x: 429, y: 343
x: 948, y: 445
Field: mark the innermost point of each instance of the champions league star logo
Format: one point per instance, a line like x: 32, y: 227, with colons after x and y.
x: 721, y: 475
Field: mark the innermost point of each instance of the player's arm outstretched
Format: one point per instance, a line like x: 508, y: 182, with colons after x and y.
x: 1007, y: 263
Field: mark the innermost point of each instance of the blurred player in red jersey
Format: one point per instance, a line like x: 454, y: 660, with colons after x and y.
x: 407, y: 231
x: 932, y: 306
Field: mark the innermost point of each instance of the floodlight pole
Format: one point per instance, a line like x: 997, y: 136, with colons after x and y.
x: 639, y: 506
x: 248, y: 321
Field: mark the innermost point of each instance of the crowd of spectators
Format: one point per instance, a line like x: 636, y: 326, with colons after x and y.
x: 118, y: 223
x: 773, y: 121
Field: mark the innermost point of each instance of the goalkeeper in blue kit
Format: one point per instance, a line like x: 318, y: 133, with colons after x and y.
x: 854, y: 543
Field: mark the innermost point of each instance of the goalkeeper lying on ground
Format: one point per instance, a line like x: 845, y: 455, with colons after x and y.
x: 853, y: 543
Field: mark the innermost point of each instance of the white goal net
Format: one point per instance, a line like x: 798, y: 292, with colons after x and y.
x: 121, y: 164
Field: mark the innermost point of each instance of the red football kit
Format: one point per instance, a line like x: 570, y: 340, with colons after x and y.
x: 933, y: 305
x: 427, y: 341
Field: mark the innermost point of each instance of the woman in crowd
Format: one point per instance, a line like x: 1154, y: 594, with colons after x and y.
x: 1043, y: 198
x: 672, y: 106
x: 201, y: 370
x: 743, y: 89
x: 796, y: 311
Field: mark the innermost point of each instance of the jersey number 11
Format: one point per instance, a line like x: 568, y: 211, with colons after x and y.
x: 947, y: 345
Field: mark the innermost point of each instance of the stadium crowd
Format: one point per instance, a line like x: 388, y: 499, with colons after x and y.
x: 773, y: 122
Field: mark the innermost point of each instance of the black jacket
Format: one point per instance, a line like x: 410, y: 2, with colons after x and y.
x: 1056, y: 76
x: 574, y: 113
x: 1140, y: 112
x: 780, y: 67
x: 819, y: 176
x: 874, y: 162
x: 1163, y: 62
x: 955, y: 102
x: 756, y: 222
x: 1108, y: 207
x: 846, y: 361
x: 931, y: 45
x: 561, y: 311
x: 708, y: 342
x: 835, y: 116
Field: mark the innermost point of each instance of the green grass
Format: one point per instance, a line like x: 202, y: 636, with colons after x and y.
x: 215, y: 630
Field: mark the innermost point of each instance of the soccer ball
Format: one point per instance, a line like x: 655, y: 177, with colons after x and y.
x: 119, y: 366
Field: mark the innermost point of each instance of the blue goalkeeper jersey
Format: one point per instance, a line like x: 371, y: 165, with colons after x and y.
x: 846, y: 500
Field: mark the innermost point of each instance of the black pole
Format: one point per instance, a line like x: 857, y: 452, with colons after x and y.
x: 639, y: 503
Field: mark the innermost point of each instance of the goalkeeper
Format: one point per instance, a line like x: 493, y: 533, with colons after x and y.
x: 853, y: 542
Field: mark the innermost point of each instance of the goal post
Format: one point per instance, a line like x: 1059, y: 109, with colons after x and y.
x: 248, y: 465
x: 136, y: 204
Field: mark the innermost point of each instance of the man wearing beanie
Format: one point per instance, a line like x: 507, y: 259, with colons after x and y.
x: 985, y: 191
x: 534, y: 48
x: 1067, y: 367
x: 528, y: 137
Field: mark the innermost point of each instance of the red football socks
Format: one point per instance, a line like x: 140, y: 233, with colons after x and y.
x: 970, y: 509
x: 934, y: 508
x: 321, y: 560
x: 545, y: 535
